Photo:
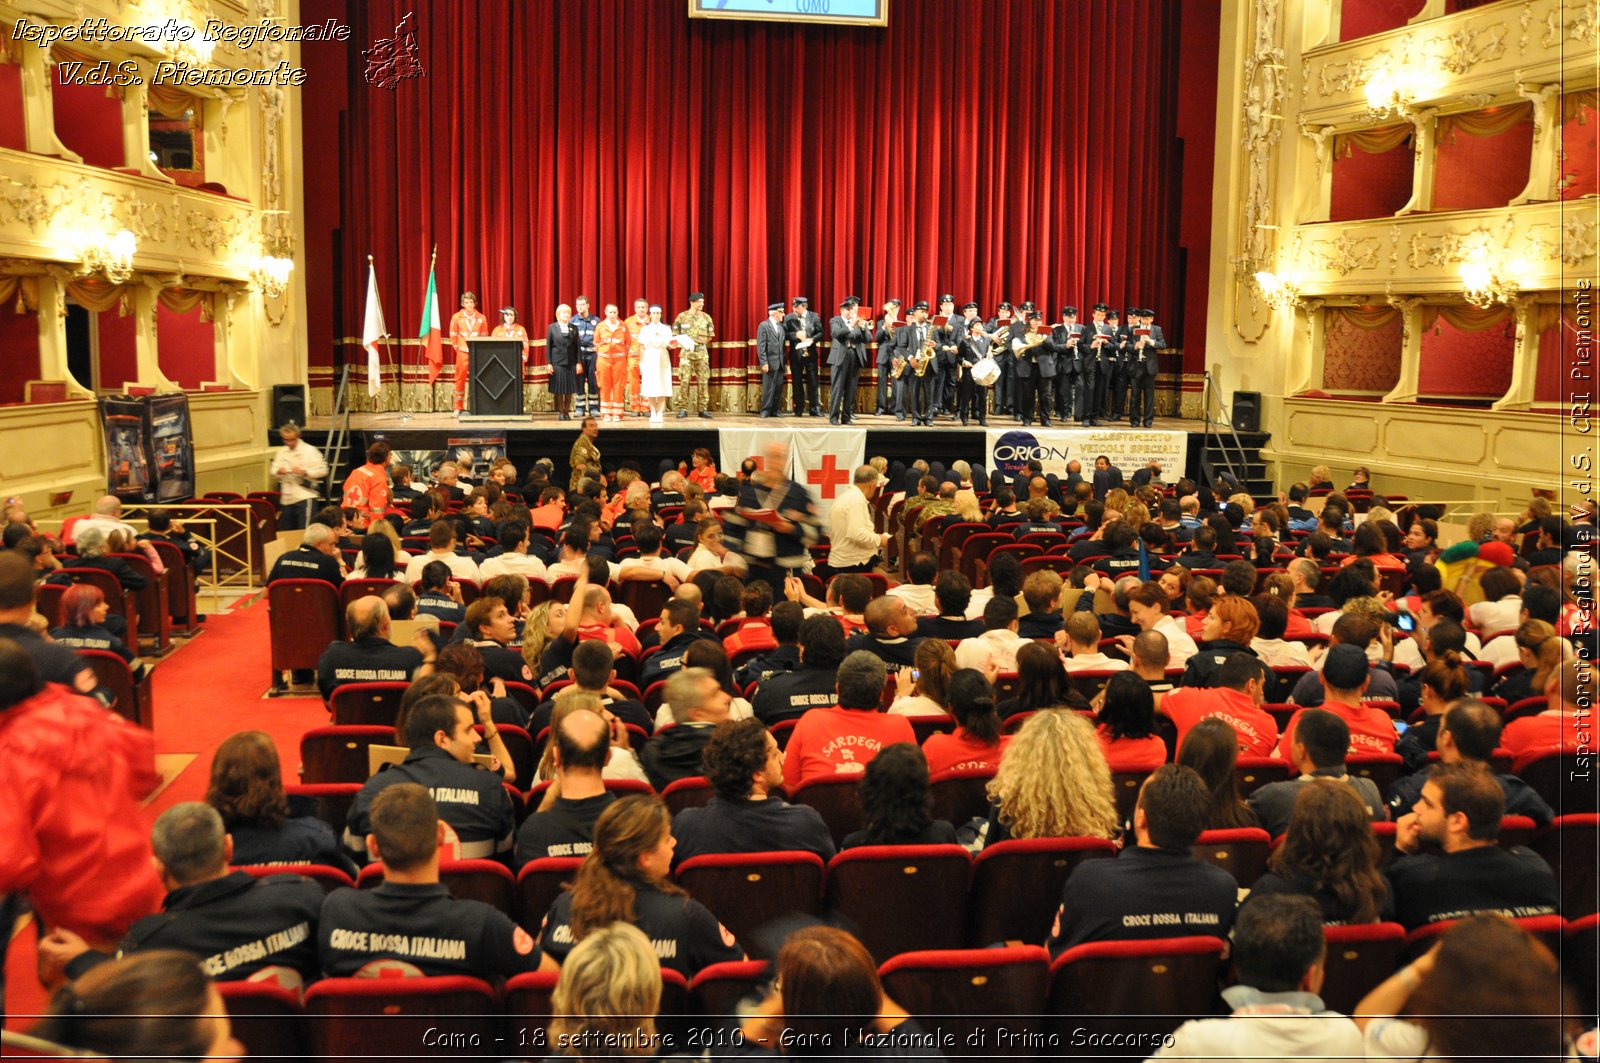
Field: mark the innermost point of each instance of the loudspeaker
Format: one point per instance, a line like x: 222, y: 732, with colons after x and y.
x: 288, y: 404
x: 1247, y: 411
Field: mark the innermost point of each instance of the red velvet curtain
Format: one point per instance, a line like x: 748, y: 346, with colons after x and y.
x: 617, y: 148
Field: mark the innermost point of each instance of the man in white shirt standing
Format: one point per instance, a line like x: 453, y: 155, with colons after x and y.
x: 856, y: 545
x: 298, y: 466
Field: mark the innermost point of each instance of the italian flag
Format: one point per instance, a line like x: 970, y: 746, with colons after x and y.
x: 429, y: 333
x: 373, y: 329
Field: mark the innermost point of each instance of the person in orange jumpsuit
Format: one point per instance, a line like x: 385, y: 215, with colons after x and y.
x: 611, y: 343
x: 464, y: 324
x: 636, y: 324
x: 510, y: 329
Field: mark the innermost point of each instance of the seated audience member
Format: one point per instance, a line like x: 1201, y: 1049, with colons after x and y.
x: 1353, y: 631
x: 1147, y: 608
x: 891, y: 634
x: 1443, y: 605
x: 157, y: 1004
x: 513, y: 558
x: 593, y: 671
x: 377, y: 558
x: 755, y: 626
x: 848, y: 596
x: 788, y: 695
x: 1318, y: 745
x: 317, y: 557
x: 411, y: 917
x: 369, y: 656
x: 1227, y: 629
x: 698, y: 705
x: 1005, y: 581
x: 163, y: 528
x: 677, y: 629
x: 918, y: 594
x: 1042, y: 592
x: 1306, y: 575
x: 1236, y: 698
x: 952, y: 594
x: 1211, y: 748
x: 1122, y: 551
x: 787, y: 618
x: 439, y: 595
x: 827, y: 1001
x: 1552, y: 530
x: 492, y: 629
x: 652, y: 563
x: 995, y: 650
x: 1443, y: 680
x: 976, y: 741
x: 625, y: 878
x: 439, y: 734
x: 925, y: 695
x: 1488, y: 990
x: 1081, y: 640
x: 1041, y: 683
x: 1329, y: 853
x: 1443, y: 644
x: 442, y: 548
x: 1269, y: 643
x: 1344, y: 678
x: 235, y: 923
x: 896, y: 805
x: 1053, y: 782
x: 1278, y: 956
x: 1458, y: 819
x: 563, y: 825
x: 85, y: 610
x: 712, y: 554
x: 1156, y: 888
x: 246, y: 789
x: 836, y: 742
x: 1501, y: 608
x: 1126, y: 725
x: 623, y: 762
x: 747, y: 814
x: 1469, y: 733
x: 1539, y: 602
x: 1540, y: 653
x: 1117, y: 622
x: 1567, y: 722
x: 608, y: 994
x: 1201, y: 553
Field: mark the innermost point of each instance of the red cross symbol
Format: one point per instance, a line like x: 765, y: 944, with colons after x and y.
x: 829, y: 478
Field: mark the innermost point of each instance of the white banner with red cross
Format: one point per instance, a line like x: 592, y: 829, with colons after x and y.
x: 825, y: 461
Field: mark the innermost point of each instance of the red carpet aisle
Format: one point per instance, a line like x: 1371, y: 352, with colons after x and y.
x: 204, y: 692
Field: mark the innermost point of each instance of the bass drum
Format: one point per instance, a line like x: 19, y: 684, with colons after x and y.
x: 985, y: 371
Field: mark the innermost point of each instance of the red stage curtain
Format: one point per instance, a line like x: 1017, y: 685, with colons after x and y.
x: 619, y: 149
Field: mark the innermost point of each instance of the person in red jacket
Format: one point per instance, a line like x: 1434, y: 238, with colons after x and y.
x: 72, y: 839
x: 838, y: 742
x: 366, y: 489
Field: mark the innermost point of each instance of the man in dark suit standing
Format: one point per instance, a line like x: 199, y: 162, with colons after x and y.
x: 889, y: 397
x: 1107, y: 477
x: 804, y: 332
x: 1102, y: 356
x: 916, y: 391
x: 1021, y: 363
x: 846, y: 358
x: 947, y: 351
x: 1117, y: 391
x: 1066, y: 339
x: 1144, y: 367
x: 770, y: 357
x: 972, y: 399
x: 1000, y: 339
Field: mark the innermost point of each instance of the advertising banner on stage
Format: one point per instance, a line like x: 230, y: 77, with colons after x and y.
x: 172, y: 445
x: 823, y: 459
x: 1010, y: 449
x: 128, y: 470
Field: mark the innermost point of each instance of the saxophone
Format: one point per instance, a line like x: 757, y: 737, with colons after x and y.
x: 924, y: 357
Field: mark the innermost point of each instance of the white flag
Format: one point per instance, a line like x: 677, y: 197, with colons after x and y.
x: 373, y: 329
x: 825, y: 461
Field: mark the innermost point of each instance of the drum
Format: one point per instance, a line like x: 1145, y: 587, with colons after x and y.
x: 985, y: 371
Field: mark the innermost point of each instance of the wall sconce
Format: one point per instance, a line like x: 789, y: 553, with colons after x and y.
x: 110, y: 255
x: 1280, y: 293
x: 1392, y: 92
x: 271, y: 275
x: 1483, y: 285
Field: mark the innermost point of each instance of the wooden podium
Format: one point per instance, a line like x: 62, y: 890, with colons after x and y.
x: 494, y: 380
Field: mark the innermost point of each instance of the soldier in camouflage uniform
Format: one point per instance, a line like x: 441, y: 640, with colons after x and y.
x: 696, y: 364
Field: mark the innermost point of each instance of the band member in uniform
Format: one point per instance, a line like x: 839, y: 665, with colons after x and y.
x: 1017, y: 331
x: 999, y: 336
x: 947, y: 350
x: 1117, y: 391
x: 912, y: 346
x: 972, y: 398
x: 1100, y: 338
x: 846, y: 358
x: 1064, y: 338
x: 1145, y: 366
x: 465, y: 324
x: 561, y: 344
x: 611, y: 343
x: 588, y: 388
x: 804, y: 330
x: 770, y: 358
x: 1034, y: 358
x: 636, y: 323
x: 889, y: 398
x: 694, y: 364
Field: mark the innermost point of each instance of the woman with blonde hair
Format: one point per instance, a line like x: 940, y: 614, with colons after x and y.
x: 626, y: 877
x: 921, y: 689
x: 967, y: 508
x: 1116, y: 500
x: 541, y: 637
x: 605, y: 1001
x: 1541, y: 654
x: 1053, y: 782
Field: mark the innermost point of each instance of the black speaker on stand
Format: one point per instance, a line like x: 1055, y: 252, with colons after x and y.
x: 288, y: 404
x: 1247, y: 411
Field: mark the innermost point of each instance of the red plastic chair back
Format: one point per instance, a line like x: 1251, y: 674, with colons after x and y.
x: 339, y: 754
x: 130, y: 699
x: 266, y: 1018
x: 748, y: 891
x: 539, y: 884
x: 837, y: 801
x: 305, y: 620
x: 329, y: 878
x: 1241, y: 852
x: 367, y: 704
x: 967, y: 996
x: 717, y: 990
x: 1252, y: 773
x: 1549, y: 770
x: 901, y: 897
x: 1016, y: 886
x: 1569, y: 845
x: 342, y: 1010
x: 692, y: 792
x: 1144, y: 989
x: 959, y: 794
x: 1359, y: 958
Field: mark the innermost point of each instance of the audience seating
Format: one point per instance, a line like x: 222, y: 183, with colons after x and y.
x: 519, y: 743
x: 1359, y: 957
x: 330, y: 802
x: 488, y: 881
x: 924, y: 727
x: 305, y: 619
x: 1581, y: 957
x: 1384, y: 769
x: 1137, y: 988
x: 1090, y: 681
x: 367, y: 704
x: 339, y: 754
x: 693, y: 792
x: 1253, y: 773
x: 528, y: 997
x: 838, y: 801
x: 124, y: 603
x: 181, y: 580
x: 645, y: 597
x: 351, y: 589
x: 136, y: 701
x: 716, y: 991
x: 1547, y: 928
x: 748, y: 891
x: 340, y: 1011
x: 959, y: 794
x: 155, y: 621
x: 1016, y: 886
x: 1548, y: 770
x: 974, y: 993
x: 266, y: 1018
x: 329, y: 878
x: 1241, y: 852
x: 975, y: 553
x: 1569, y: 846
x: 539, y: 884
x: 1125, y: 788
x: 48, y: 603
x: 900, y: 898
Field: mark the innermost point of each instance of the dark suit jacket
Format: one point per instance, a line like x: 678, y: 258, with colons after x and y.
x: 769, y: 343
x: 1106, y: 481
x: 561, y: 350
x: 798, y: 327
x: 1021, y: 358
x: 886, y: 342
x: 909, y: 338
x: 849, y: 341
x: 1144, y: 360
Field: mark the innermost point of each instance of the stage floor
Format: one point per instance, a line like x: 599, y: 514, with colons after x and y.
x: 547, y: 422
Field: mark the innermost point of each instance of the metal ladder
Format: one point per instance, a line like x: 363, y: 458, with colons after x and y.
x: 338, y: 437
x: 1239, y: 474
